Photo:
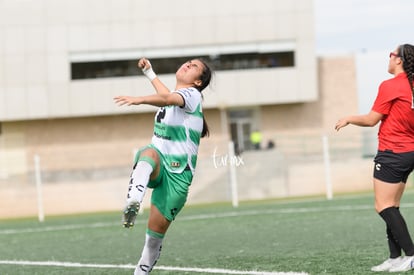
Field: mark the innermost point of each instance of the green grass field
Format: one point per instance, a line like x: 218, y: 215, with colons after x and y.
x: 314, y: 236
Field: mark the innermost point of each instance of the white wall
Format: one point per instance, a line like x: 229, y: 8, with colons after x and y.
x: 38, y: 37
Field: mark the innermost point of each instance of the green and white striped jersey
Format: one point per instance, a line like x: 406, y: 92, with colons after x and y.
x: 177, y: 131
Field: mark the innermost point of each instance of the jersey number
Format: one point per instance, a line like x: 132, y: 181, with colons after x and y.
x: 161, y: 114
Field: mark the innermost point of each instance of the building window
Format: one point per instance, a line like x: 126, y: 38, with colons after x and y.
x: 220, y: 62
x: 241, y: 125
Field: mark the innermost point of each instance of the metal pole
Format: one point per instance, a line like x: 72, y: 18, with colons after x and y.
x: 233, y: 178
x: 327, y: 163
x: 38, y: 178
x: 3, y: 168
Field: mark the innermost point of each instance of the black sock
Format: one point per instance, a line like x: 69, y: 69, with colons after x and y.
x: 398, y: 228
x: 394, y: 247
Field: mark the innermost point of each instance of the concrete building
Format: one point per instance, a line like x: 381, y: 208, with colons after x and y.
x: 44, y: 41
x: 62, y: 62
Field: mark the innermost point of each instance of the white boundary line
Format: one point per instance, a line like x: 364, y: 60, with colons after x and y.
x: 166, y: 268
x: 185, y: 218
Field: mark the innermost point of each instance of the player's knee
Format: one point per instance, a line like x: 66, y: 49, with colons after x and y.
x: 380, y: 206
x: 151, y: 153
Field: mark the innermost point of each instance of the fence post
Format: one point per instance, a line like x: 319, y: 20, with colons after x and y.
x: 38, y: 179
x: 3, y: 168
x: 233, y: 178
x: 327, y: 163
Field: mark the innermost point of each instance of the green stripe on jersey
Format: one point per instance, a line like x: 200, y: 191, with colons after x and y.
x: 197, y: 112
x: 170, y: 132
x: 195, y: 136
x: 194, y: 161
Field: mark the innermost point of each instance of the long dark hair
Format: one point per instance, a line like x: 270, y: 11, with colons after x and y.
x: 406, y: 52
x: 205, y: 78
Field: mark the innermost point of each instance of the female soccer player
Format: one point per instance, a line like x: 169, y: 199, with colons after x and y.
x: 394, y: 107
x: 167, y: 164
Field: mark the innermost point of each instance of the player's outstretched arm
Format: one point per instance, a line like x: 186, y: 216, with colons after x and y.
x: 147, y: 70
x: 369, y: 120
x: 159, y: 100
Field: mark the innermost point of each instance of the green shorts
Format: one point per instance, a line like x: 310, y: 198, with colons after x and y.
x: 170, y: 190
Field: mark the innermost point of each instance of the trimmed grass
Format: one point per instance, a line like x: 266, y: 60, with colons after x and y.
x: 341, y: 236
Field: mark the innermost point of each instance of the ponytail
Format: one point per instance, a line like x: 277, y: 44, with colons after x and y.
x: 406, y: 51
x: 206, y: 131
x: 205, y: 81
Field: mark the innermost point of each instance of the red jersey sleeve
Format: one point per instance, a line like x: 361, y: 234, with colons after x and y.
x: 385, y: 97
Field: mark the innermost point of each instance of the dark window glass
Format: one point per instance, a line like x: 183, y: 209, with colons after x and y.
x: 243, y: 61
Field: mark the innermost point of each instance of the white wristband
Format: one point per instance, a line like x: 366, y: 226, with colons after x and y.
x: 149, y: 73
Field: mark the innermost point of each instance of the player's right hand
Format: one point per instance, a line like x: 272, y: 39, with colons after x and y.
x: 144, y: 64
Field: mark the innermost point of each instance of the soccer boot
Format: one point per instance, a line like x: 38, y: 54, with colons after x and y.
x: 130, y: 214
x: 387, y: 264
x: 406, y: 264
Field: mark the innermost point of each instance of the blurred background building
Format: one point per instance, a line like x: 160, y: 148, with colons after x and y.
x: 62, y: 62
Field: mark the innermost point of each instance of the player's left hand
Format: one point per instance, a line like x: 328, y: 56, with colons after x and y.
x: 341, y: 123
x: 126, y: 100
